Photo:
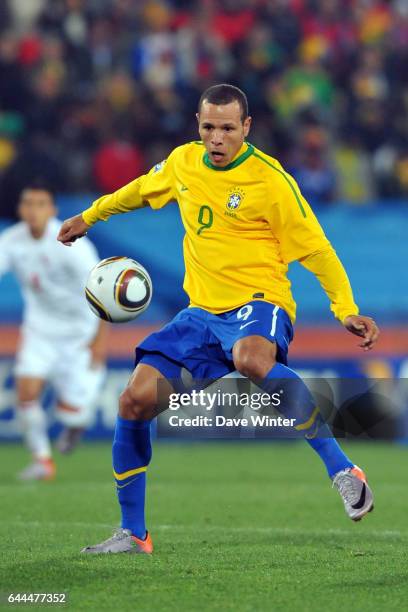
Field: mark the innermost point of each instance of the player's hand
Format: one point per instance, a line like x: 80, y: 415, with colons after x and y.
x: 365, y: 327
x: 72, y: 229
x: 99, y: 346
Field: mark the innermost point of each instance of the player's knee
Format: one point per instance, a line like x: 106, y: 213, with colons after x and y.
x: 249, y: 366
x: 136, y: 404
x: 27, y: 398
x: 254, y: 357
x: 27, y: 394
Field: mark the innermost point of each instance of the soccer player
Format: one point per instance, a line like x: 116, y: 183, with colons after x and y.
x: 245, y: 221
x: 61, y: 342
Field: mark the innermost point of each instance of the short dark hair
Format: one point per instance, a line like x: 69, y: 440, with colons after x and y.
x: 225, y: 94
x: 39, y: 184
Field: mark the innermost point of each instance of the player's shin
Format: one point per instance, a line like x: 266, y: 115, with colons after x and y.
x: 131, y: 453
x: 33, y: 426
x: 298, y: 403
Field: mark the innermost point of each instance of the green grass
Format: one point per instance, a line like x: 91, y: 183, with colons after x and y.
x: 236, y: 527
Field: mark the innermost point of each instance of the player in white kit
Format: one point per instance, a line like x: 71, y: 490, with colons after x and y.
x: 61, y: 341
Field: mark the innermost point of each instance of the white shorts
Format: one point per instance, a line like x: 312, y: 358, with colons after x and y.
x: 66, y: 365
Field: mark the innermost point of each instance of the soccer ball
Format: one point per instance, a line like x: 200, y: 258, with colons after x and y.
x: 118, y: 289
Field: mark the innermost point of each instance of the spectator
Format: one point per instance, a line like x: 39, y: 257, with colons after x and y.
x: 353, y: 170
x: 80, y: 74
x: 116, y: 163
x: 13, y: 89
x: 313, y: 169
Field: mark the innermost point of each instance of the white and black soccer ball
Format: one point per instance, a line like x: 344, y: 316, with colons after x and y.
x: 118, y: 289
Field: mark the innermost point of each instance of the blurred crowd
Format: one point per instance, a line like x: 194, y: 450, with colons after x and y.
x: 94, y: 92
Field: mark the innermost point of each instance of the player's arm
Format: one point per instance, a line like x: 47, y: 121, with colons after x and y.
x: 5, y: 259
x: 99, y: 344
x: 154, y: 189
x: 302, y: 239
x: 329, y: 271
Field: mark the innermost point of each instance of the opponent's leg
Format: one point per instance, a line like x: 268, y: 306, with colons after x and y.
x: 78, y: 383
x: 131, y: 452
x: 33, y: 424
x: 255, y: 358
x: 70, y: 436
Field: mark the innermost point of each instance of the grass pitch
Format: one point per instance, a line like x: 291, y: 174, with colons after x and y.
x: 236, y: 526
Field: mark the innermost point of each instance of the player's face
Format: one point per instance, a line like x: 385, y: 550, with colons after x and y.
x: 222, y: 130
x: 35, y: 208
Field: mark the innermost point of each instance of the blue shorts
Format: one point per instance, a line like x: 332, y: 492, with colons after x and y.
x: 202, y: 342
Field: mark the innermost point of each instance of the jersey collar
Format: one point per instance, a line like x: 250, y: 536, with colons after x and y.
x: 235, y: 162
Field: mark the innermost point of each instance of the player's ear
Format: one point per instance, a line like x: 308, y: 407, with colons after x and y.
x: 198, y: 118
x: 247, y: 125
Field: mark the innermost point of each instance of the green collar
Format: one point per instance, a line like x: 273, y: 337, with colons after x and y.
x: 237, y: 162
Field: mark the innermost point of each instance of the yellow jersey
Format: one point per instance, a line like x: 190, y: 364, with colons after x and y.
x: 244, y: 224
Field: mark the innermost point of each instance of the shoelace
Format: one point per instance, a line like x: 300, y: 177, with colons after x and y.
x: 118, y: 534
x: 346, y: 486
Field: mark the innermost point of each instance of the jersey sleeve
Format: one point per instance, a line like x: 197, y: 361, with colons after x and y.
x: 329, y: 271
x: 292, y: 220
x: 155, y: 189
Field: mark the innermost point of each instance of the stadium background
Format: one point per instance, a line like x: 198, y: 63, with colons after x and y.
x: 94, y: 93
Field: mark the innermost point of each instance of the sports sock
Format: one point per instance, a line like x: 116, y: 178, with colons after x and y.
x: 309, y: 420
x: 131, y: 453
x: 33, y: 426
